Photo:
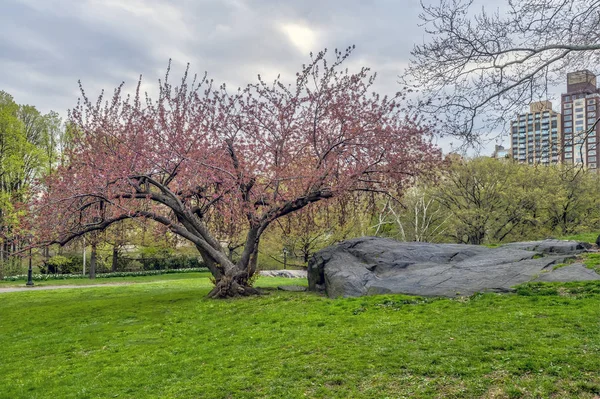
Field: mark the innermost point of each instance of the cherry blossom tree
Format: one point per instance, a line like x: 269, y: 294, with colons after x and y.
x: 198, y: 155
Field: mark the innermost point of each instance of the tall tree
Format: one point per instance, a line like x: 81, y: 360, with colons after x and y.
x: 478, y: 67
x: 488, y: 199
x: 572, y: 201
x: 27, y: 151
x: 416, y: 216
x: 252, y: 157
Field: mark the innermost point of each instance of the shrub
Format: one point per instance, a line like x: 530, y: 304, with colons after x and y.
x: 169, y: 261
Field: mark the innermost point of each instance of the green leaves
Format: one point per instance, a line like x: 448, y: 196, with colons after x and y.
x: 28, y: 149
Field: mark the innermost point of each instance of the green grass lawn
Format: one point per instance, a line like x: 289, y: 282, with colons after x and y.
x: 113, y: 280
x: 584, y: 237
x: 163, y: 339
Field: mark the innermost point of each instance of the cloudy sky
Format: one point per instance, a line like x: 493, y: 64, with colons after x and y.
x: 48, y: 45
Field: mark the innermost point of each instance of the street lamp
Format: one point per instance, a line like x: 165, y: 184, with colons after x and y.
x: 29, y: 272
x: 285, y: 254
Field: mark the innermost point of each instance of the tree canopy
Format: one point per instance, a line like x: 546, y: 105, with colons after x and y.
x: 28, y: 150
x: 199, y: 154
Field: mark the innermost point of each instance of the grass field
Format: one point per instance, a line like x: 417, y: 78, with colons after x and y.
x: 112, y: 280
x: 585, y: 237
x: 163, y: 339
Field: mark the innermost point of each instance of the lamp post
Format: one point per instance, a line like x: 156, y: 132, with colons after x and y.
x: 29, y: 272
x: 285, y: 253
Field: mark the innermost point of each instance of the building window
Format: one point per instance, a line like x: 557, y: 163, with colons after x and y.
x: 579, y: 122
x: 579, y: 109
x: 591, y: 152
x: 567, y: 98
x: 592, y: 101
x: 567, y: 105
x: 568, y: 155
x: 568, y: 118
x: 590, y: 108
x: 591, y: 159
x: 591, y: 140
x: 592, y: 166
x: 568, y: 130
x: 568, y: 124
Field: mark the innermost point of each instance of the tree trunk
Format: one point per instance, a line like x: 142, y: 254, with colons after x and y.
x: 115, y: 259
x: 233, y: 284
x: 253, y: 264
x: 93, y: 261
x: 233, y: 280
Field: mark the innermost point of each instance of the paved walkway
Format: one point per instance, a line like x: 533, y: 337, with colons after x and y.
x: 57, y: 287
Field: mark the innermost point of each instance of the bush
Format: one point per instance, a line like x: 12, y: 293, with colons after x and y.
x: 159, y: 260
x: 169, y: 261
x: 70, y: 264
x: 62, y: 264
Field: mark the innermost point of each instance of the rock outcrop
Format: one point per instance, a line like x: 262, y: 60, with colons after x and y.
x: 284, y: 273
x: 371, y: 265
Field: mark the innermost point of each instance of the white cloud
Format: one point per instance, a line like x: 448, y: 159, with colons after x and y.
x: 301, y: 36
x: 53, y: 43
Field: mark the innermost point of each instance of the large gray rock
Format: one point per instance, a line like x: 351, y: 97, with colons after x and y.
x: 284, y: 273
x: 370, y: 265
x: 551, y: 246
x: 574, y: 272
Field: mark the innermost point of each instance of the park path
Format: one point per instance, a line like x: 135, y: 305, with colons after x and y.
x: 57, y: 287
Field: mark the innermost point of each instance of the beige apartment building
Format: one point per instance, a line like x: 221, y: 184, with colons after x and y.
x: 536, y: 135
x: 580, y: 110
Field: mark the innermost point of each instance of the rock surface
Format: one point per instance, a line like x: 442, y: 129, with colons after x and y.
x: 551, y: 246
x: 371, y: 265
x: 284, y: 273
x: 574, y: 272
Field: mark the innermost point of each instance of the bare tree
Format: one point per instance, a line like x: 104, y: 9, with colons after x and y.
x: 480, y: 66
x: 418, y: 216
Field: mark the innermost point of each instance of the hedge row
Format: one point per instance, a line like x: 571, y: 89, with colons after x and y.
x: 44, y: 277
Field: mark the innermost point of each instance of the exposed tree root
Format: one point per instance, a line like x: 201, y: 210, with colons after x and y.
x: 233, y: 286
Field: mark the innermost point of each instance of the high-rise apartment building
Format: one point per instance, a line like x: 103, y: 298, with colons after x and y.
x: 580, y: 110
x: 536, y: 135
x: 500, y: 152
